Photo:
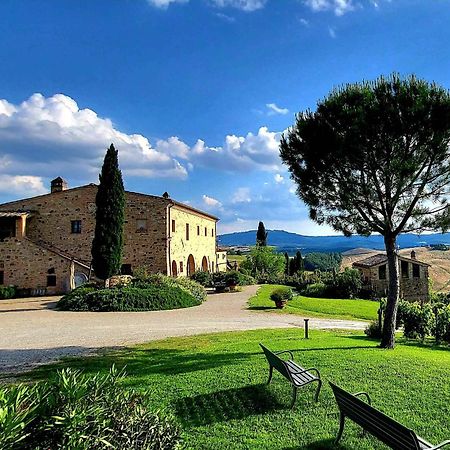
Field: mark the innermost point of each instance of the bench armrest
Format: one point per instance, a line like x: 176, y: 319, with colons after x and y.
x: 441, y: 445
x: 307, y: 370
x: 365, y: 394
x: 285, y: 351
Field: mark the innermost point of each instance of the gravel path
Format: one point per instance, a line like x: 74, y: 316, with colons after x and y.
x: 32, y: 332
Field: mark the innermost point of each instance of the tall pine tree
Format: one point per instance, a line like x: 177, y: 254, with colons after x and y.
x: 286, y: 267
x: 110, y: 202
x: 261, y: 235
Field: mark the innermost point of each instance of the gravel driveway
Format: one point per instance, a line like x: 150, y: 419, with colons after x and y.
x: 33, y: 332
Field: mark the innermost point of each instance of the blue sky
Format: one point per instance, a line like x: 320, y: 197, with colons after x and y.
x: 194, y: 93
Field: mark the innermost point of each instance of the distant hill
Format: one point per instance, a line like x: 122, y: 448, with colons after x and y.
x: 290, y: 242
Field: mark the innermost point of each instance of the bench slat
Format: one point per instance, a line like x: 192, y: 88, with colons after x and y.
x: 383, y: 427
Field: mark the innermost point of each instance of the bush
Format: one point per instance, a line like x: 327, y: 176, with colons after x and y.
x: 282, y: 294
x: 74, y: 411
x: 441, y: 329
x: 314, y: 290
x: 246, y: 280
x: 373, y: 330
x: 263, y: 261
x: 346, y: 284
x: 417, y: 320
x: 156, y: 292
x: 203, y: 278
x: 7, y: 292
x: 231, y: 278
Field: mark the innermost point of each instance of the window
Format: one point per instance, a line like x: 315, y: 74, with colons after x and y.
x: 181, y: 266
x: 405, y: 269
x: 206, y: 232
x: 212, y: 232
x: 51, y: 277
x: 187, y: 231
x: 198, y: 230
x: 126, y: 269
x: 141, y: 226
x: 2, y: 277
x: 416, y: 270
x: 382, y: 272
x: 173, y: 226
x: 75, y: 226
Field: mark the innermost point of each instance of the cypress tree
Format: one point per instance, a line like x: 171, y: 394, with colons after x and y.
x: 110, y: 202
x: 286, y: 267
x: 261, y: 235
x: 299, y: 262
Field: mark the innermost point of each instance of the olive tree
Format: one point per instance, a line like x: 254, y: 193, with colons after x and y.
x: 374, y: 158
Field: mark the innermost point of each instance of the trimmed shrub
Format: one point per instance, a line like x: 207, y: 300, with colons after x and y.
x: 7, y: 292
x: 246, y: 280
x: 373, y: 330
x: 346, y: 284
x: 156, y: 292
x: 282, y: 294
x: 315, y: 290
x: 79, y: 412
x: 203, y: 278
x: 232, y: 278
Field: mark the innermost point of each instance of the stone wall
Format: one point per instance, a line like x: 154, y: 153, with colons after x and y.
x: 27, y: 265
x: 201, y: 243
x: 53, y: 213
x: 411, y: 288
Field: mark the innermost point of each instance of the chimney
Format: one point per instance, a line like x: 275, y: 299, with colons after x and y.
x: 58, y: 185
x: 166, y: 195
x: 413, y: 254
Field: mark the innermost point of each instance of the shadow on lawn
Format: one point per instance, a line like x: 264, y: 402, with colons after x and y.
x: 319, y: 445
x: 144, y: 362
x: 225, y: 405
x: 262, y: 308
x: 428, y: 344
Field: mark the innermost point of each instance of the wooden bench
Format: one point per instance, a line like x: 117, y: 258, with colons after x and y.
x: 295, y: 374
x: 378, y: 424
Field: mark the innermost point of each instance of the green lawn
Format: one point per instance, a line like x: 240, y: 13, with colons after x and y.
x: 317, y: 307
x: 215, y: 386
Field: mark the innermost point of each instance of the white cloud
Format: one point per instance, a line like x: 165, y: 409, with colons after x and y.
x: 49, y: 134
x: 225, y: 17
x: 242, y: 195
x: 274, y: 109
x: 164, y: 4
x: 243, y: 5
x: 211, y: 202
x: 332, y: 32
x: 304, y: 22
x: 22, y: 185
x: 339, y: 7
x: 278, y: 178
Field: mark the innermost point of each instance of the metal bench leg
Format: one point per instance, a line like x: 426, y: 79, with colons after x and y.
x: 318, y: 390
x: 270, y: 374
x: 294, y: 398
x: 341, y: 428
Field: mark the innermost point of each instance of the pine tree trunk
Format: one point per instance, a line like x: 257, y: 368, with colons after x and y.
x: 390, y: 315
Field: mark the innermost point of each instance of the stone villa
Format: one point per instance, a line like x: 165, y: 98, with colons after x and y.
x: 45, y: 241
x: 413, y: 276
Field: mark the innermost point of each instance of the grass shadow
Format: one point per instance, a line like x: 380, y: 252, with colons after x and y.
x: 262, y: 308
x: 229, y: 404
x: 319, y: 445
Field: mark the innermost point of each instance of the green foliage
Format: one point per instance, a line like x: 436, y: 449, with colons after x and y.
x: 346, y: 284
x: 155, y: 292
x: 441, y: 329
x: 315, y: 290
x: 373, y: 330
x: 417, y: 320
x: 263, y: 262
x: 232, y: 278
x: 325, y: 262
x: 74, y: 411
x: 7, y: 292
x: 282, y: 294
x: 202, y: 277
x: 109, y: 218
x: 261, y: 235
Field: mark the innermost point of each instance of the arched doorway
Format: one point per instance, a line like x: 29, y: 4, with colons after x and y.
x: 204, y: 264
x: 190, y: 265
x: 80, y: 278
x: 174, y: 269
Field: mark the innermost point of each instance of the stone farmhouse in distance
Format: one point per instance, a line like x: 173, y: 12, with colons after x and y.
x: 414, y: 284
x: 45, y: 241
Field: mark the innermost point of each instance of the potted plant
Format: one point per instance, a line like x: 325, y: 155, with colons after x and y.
x: 281, y: 296
x: 232, y: 279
